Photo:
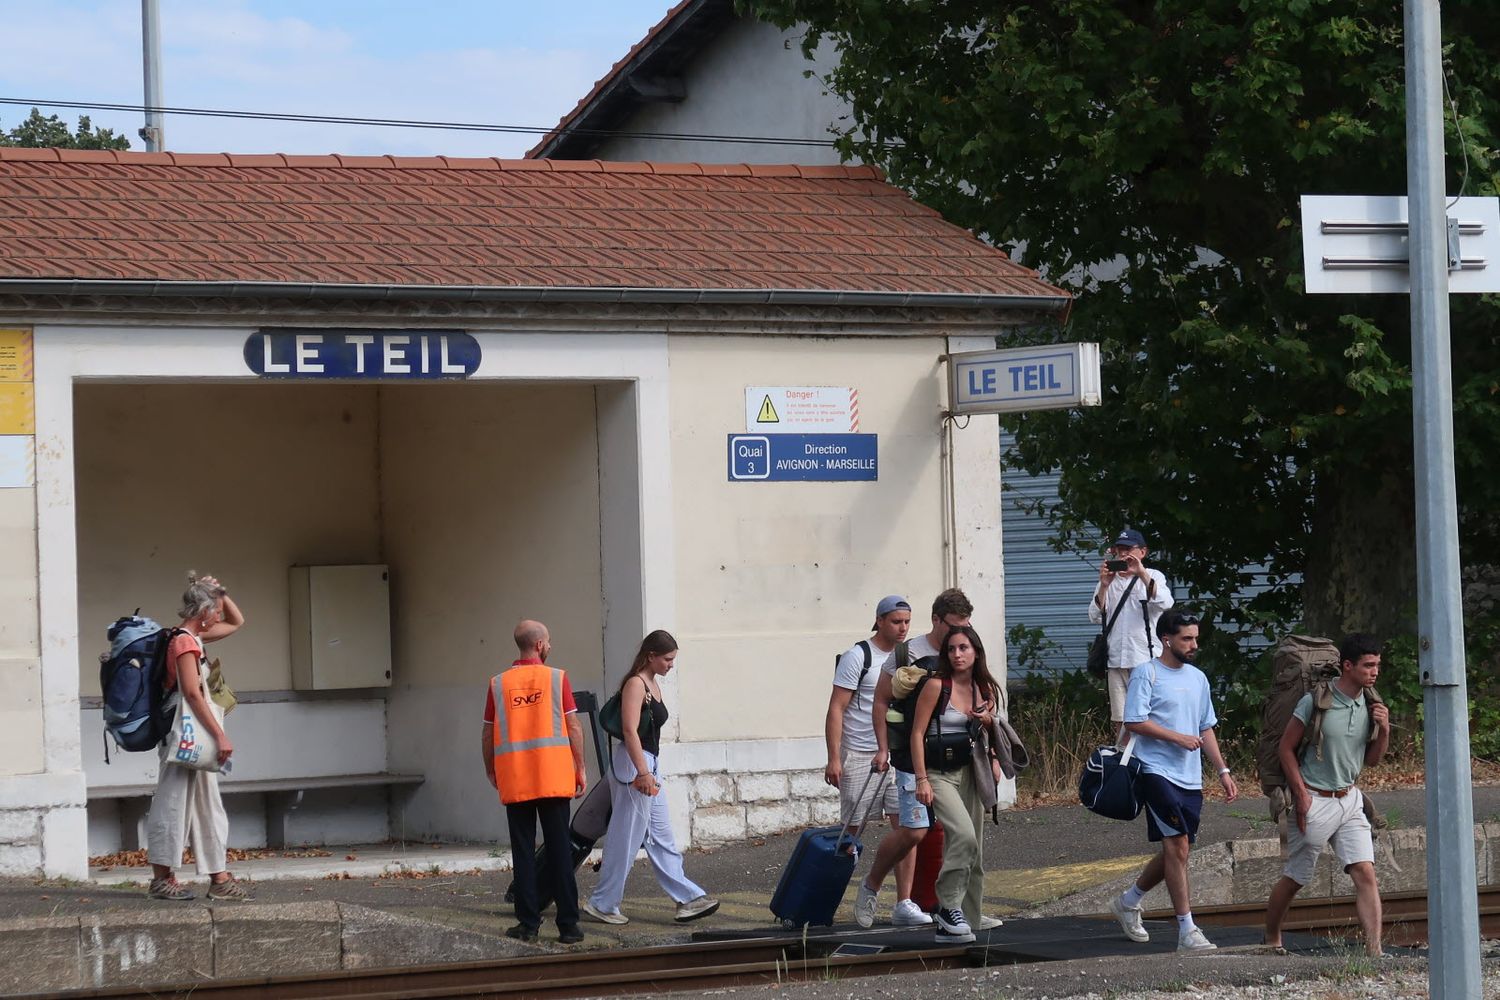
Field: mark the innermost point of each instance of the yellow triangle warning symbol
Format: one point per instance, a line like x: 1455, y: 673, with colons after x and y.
x: 767, y: 413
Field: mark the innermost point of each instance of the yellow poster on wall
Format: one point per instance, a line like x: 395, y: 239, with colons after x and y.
x: 17, y: 408
x: 15, y: 357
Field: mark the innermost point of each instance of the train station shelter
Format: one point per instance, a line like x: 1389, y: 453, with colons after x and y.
x: 398, y: 404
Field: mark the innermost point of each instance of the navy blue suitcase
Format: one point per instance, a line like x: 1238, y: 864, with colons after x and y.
x: 817, y: 874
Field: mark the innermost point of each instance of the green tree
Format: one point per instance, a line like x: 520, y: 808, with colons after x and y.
x: 1149, y: 156
x: 38, y: 132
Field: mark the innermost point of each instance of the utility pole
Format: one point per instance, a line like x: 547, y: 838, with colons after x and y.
x: 151, y: 58
x: 1452, y: 907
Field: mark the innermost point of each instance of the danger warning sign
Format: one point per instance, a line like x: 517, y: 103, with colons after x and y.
x: 801, y: 409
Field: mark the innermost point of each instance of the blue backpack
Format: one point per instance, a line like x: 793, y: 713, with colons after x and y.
x: 132, y: 676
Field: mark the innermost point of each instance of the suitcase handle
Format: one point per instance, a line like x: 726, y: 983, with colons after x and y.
x: 865, y: 819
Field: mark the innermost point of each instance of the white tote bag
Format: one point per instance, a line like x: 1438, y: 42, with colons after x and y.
x: 189, y: 742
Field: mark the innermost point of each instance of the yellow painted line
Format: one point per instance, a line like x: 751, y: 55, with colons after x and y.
x: 15, y: 356
x: 1038, y: 885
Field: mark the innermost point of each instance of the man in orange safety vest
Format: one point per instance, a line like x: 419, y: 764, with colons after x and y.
x: 533, y: 755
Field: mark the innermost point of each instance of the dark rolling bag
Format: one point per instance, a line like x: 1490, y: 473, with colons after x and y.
x: 817, y: 874
x: 590, y: 822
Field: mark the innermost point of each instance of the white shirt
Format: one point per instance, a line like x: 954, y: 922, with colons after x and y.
x: 859, y: 729
x: 1133, y: 639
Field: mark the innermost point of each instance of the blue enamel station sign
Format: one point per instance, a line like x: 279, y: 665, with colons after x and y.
x: 362, y: 354
x: 786, y: 458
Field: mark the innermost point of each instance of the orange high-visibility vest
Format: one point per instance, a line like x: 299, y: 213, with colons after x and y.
x: 533, y: 757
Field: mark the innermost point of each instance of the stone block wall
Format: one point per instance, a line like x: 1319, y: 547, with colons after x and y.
x: 729, y: 807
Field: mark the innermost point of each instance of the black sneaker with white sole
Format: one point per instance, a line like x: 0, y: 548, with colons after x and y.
x: 952, y: 928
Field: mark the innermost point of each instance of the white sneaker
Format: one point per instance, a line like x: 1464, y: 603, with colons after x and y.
x: 864, y: 905
x: 1130, y: 920
x: 907, y: 913
x: 603, y: 916
x: 1194, y: 940
x: 989, y: 923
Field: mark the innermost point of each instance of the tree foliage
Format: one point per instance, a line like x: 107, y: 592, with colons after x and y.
x: 1149, y: 156
x: 38, y: 132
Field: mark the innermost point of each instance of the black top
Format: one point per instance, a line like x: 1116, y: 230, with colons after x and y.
x: 651, y: 739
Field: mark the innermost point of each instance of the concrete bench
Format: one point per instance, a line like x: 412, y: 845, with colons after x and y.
x: 283, y: 796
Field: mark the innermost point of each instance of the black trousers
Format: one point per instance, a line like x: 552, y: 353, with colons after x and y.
x: 522, y: 817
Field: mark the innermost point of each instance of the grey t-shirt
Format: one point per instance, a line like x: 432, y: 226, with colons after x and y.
x: 1346, y: 735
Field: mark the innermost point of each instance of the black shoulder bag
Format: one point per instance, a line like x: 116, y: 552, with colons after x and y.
x: 1099, y: 652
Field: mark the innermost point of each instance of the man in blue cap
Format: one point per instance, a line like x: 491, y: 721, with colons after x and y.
x: 852, y: 748
x: 1133, y: 597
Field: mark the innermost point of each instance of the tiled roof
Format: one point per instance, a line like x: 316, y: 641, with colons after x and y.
x: 483, y: 223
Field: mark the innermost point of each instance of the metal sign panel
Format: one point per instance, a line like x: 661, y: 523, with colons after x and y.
x: 1357, y: 244
x: 361, y: 354
x: 787, y: 458
x: 802, y: 409
x: 1024, y: 378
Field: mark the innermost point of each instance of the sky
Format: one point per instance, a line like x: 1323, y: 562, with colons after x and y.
x: 505, y: 62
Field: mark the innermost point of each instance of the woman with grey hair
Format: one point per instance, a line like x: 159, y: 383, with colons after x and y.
x: 187, y: 802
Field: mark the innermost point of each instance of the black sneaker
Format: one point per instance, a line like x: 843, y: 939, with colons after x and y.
x: 569, y: 935
x: 952, y: 928
x: 521, y: 933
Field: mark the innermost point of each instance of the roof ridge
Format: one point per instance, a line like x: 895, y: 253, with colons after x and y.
x: 342, y: 161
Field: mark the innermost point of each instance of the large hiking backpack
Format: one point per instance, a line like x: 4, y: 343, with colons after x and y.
x: 898, y: 716
x: 1299, y: 664
x: 131, y: 677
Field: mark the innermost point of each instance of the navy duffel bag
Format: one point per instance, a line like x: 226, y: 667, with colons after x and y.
x: 1110, y: 785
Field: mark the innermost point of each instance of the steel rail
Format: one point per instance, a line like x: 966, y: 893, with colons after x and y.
x: 573, y: 974
x: 1403, y: 915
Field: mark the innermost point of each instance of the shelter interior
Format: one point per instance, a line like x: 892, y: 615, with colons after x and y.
x: 487, y: 501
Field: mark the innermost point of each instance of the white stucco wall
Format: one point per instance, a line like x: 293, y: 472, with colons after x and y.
x: 746, y: 81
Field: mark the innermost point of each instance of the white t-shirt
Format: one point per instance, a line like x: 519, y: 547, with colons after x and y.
x: 1133, y: 639
x: 859, y: 731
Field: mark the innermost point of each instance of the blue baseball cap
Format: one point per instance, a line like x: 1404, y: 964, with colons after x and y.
x: 894, y: 602
x: 1130, y: 538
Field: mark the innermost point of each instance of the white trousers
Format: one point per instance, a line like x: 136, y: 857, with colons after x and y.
x: 187, y: 804
x: 636, y: 818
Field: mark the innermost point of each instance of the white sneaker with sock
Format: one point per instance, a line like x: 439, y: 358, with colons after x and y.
x: 907, y: 913
x: 864, y: 905
x: 1192, y: 939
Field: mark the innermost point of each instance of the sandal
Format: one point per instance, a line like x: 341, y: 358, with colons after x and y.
x: 171, y: 889
x: 229, y: 890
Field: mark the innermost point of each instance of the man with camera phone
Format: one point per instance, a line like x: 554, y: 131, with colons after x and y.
x: 1133, y: 597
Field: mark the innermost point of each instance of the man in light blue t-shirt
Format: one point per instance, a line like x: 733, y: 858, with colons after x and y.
x: 1170, y: 715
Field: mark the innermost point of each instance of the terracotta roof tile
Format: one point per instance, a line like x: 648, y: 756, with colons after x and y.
x: 104, y: 215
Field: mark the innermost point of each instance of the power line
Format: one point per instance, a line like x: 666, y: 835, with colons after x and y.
x: 757, y: 140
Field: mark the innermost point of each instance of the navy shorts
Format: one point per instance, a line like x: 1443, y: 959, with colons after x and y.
x: 1171, y: 810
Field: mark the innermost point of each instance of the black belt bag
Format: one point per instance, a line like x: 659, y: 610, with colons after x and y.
x: 948, y: 751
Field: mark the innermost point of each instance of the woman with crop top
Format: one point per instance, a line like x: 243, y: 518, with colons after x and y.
x: 186, y: 803
x: 971, y: 696
x: 639, y: 811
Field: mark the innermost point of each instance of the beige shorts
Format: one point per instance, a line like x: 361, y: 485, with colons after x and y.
x: 1119, y: 682
x: 1340, y: 822
x: 853, y: 805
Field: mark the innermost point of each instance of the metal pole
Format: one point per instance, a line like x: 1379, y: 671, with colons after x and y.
x: 1452, y: 907
x: 151, y: 60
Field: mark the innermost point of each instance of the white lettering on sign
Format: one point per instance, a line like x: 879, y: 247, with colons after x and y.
x: 393, y: 366
x: 359, y: 341
x: 307, y: 354
x: 270, y: 367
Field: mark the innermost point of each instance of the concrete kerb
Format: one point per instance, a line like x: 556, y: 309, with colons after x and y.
x: 202, y: 943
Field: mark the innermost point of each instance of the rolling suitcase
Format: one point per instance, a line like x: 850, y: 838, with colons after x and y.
x: 929, y: 863
x: 817, y: 874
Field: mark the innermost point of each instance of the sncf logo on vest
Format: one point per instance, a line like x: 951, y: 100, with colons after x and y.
x: 523, y: 698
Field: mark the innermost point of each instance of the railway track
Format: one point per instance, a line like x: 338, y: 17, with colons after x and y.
x: 626, y: 972
x: 758, y: 961
x: 1404, y: 916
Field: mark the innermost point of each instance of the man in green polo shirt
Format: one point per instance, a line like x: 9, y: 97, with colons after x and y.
x: 1329, y: 808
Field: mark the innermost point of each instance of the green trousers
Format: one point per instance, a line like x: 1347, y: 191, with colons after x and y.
x: 956, y: 805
